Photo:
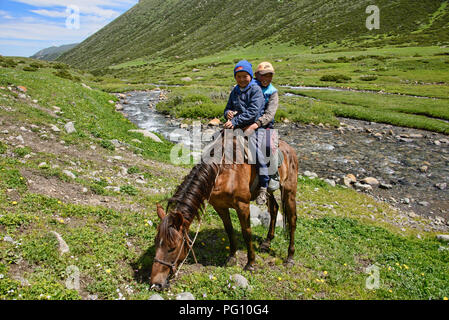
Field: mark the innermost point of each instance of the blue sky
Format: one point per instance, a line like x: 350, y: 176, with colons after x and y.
x: 27, y: 26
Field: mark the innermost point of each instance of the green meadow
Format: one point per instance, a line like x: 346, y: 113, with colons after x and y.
x: 110, y: 227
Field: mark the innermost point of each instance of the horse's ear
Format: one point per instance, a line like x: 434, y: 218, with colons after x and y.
x: 178, y: 220
x: 160, y: 211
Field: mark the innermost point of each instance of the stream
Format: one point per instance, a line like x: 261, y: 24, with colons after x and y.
x: 413, y: 164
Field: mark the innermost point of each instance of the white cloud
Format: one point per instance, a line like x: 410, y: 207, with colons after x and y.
x: 87, y: 7
x: 50, y: 13
x: 5, y: 15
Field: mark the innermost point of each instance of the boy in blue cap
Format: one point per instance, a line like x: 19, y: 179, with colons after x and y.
x: 246, y: 104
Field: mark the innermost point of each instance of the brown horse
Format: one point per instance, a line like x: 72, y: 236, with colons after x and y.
x: 224, y: 186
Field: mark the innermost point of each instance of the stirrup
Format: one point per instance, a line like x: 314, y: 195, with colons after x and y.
x: 262, y: 196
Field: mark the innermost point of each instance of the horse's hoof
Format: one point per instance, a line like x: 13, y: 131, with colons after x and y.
x: 249, y: 267
x: 265, y: 246
x: 290, y: 262
x: 231, y: 261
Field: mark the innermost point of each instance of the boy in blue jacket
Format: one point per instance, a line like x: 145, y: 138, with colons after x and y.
x: 246, y: 104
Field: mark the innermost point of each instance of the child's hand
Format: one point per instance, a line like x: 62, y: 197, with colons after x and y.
x: 231, y: 114
x: 252, y: 127
x: 228, y: 124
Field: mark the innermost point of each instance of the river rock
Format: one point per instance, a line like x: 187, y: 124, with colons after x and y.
x: 330, y: 182
x: 371, y: 181
x: 311, y: 175
x: 363, y: 187
x: 118, y: 107
x: 156, y: 297
x: 386, y: 186
x: 186, y: 79
x: 441, y: 186
x: 147, y: 134
x: 185, y: 296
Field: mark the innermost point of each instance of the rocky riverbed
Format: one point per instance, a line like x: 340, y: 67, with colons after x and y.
x: 408, y: 168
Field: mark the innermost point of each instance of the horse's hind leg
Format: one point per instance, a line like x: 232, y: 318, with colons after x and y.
x: 273, y: 208
x: 289, y: 201
x: 226, y: 218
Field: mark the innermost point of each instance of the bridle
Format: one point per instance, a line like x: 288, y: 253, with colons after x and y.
x: 186, y: 240
x: 189, y: 243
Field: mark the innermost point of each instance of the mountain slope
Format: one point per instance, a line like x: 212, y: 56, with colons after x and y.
x: 191, y: 28
x: 52, y: 53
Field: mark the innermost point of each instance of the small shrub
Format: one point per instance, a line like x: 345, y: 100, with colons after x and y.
x: 133, y: 169
x: 335, y: 77
x: 368, y: 78
x: 63, y: 74
x: 3, y: 148
x: 30, y: 69
x: 107, y: 145
x: 130, y: 190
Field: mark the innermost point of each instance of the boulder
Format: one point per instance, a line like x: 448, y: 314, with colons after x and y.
x: 185, y: 296
x: 240, y: 281
x: 63, y: 247
x: 214, y: 122
x: 69, y: 127
x: 147, y: 134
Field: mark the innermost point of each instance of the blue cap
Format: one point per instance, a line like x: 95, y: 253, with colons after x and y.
x: 244, y: 65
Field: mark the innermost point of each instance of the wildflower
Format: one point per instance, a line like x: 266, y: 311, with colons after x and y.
x: 1, y: 276
x: 445, y: 298
x: 390, y: 291
x: 325, y: 273
x: 422, y: 274
x: 61, y: 220
x: 227, y: 248
x: 223, y: 239
x: 59, y: 202
x: 405, y: 266
x: 14, y: 203
x: 345, y: 264
x: 389, y: 268
x: 203, y: 244
x: 397, y: 263
x: 108, y: 270
x: 279, y: 278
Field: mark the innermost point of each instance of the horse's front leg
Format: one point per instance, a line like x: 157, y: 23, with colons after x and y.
x: 227, y: 223
x: 244, y: 217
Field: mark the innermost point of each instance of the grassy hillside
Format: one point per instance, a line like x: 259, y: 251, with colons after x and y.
x: 193, y: 28
x: 52, y: 53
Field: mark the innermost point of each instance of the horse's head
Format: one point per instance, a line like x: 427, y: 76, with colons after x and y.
x: 171, y: 247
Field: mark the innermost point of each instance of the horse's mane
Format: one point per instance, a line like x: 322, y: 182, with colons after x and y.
x: 189, y: 197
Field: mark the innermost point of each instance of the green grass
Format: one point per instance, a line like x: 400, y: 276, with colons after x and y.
x: 113, y: 251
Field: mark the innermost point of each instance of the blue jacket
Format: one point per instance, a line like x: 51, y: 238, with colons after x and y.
x: 248, y: 102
